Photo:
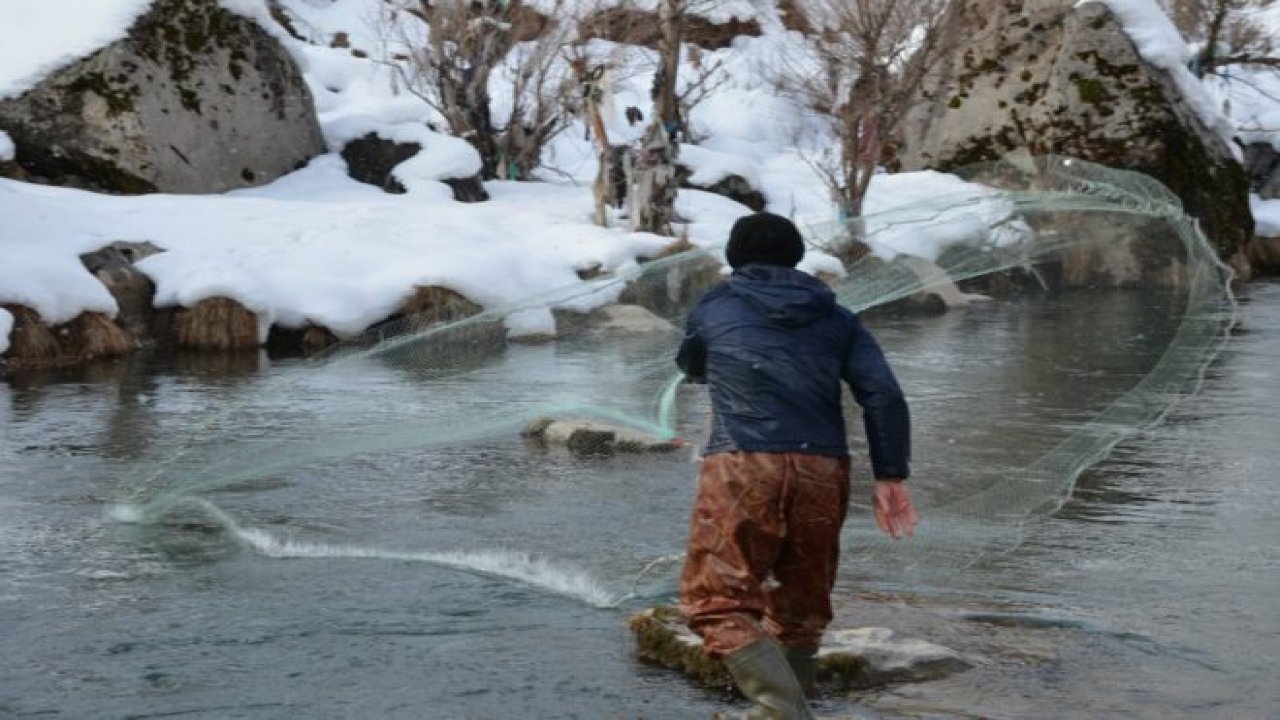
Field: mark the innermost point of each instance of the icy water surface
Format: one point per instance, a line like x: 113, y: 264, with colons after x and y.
x: 490, y: 579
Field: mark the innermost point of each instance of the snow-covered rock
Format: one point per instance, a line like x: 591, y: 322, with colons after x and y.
x: 1053, y: 76
x: 193, y: 99
x: 848, y: 659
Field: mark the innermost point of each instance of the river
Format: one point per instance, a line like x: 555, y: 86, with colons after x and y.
x: 484, y: 579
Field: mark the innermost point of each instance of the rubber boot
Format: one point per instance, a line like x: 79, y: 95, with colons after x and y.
x: 762, y: 674
x: 801, y: 660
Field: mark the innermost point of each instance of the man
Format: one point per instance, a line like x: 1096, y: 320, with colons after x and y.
x: 773, y: 346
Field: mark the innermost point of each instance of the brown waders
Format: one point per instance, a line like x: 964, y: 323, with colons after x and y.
x: 763, y: 550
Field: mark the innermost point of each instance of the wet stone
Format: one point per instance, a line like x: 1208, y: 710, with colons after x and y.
x: 849, y: 659
x: 585, y: 437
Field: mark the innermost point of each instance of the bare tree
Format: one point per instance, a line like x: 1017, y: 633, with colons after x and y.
x: 653, y: 191
x: 464, y: 46
x: 864, y: 63
x: 1228, y: 32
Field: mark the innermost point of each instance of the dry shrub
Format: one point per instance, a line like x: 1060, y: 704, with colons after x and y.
x: 94, y: 335
x: 31, y: 342
x: 216, y: 324
x: 1264, y: 254
x: 794, y: 17
x: 434, y: 304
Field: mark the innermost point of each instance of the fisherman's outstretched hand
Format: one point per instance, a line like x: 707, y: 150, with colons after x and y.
x: 895, y: 515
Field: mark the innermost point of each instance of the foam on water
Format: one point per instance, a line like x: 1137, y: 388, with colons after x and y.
x: 528, y: 569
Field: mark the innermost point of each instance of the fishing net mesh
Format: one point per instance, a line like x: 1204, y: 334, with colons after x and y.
x: 1037, y: 224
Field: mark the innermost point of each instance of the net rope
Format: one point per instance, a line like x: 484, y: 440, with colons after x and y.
x: 1023, y: 219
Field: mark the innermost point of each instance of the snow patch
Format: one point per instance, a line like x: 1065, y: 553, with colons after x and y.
x: 710, y: 167
x: 43, y: 37
x: 1266, y: 216
x: 7, y: 149
x: 6, y: 327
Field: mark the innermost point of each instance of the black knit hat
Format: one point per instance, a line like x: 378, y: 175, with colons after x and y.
x: 764, y: 238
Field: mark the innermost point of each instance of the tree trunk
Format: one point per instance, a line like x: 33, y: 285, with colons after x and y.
x: 654, y: 193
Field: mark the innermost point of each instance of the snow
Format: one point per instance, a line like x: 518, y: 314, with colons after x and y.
x: 54, y: 33
x: 318, y: 247
x: 7, y: 150
x: 1266, y: 216
x: 1250, y: 95
x: 1159, y: 43
x: 6, y: 327
x: 343, y: 258
x: 710, y: 167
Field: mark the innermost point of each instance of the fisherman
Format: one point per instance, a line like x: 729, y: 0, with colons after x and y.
x: 773, y: 345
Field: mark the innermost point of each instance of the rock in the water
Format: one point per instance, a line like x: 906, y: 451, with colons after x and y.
x: 195, y: 99
x: 848, y: 659
x: 1056, y: 76
x: 583, y: 437
x: 629, y: 319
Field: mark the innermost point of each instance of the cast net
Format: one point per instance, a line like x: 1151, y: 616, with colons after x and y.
x: 984, y: 465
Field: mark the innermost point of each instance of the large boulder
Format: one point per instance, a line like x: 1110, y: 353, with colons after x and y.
x: 195, y: 99
x: 1053, y: 76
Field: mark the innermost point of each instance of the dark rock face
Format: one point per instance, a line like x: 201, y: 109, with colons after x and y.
x: 1262, y: 162
x: 734, y: 187
x: 1053, y: 77
x: 371, y: 159
x: 196, y: 99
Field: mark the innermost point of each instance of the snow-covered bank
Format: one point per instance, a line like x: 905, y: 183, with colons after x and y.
x: 39, y: 38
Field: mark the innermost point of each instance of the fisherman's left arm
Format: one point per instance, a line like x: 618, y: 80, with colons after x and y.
x: 692, y: 356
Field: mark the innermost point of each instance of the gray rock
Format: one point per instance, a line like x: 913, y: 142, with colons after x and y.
x: 196, y: 99
x: 1055, y: 77
x: 584, y: 437
x: 629, y: 319
x: 1262, y: 162
x: 849, y: 659
x: 133, y: 291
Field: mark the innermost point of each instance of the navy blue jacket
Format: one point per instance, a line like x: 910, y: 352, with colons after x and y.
x: 773, y: 345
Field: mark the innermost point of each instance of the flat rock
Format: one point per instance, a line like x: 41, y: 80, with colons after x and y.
x: 849, y: 659
x: 585, y: 437
x: 630, y: 319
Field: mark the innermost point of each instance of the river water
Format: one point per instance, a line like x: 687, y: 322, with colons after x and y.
x: 485, y: 578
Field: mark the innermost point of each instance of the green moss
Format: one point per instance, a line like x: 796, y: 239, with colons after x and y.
x: 955, y: 102
x: 1091, y: 90
x: 120, y: 97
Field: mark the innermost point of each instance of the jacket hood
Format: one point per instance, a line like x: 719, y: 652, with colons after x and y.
x: 782, y: 294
